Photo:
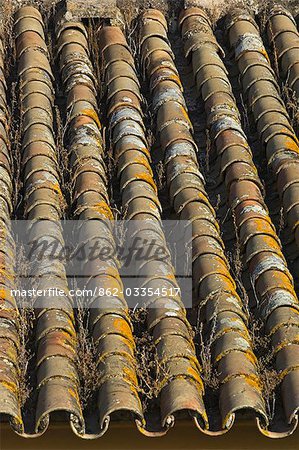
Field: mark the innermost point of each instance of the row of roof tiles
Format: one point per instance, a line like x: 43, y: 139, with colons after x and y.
x: 216, y: 298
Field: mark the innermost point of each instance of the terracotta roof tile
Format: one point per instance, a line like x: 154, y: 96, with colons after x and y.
x: 211, y: 363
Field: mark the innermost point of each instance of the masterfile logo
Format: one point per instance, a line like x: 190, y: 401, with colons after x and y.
x: 153, y: 261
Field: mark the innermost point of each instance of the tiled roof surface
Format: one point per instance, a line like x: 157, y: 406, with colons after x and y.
x: 236, y: 352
